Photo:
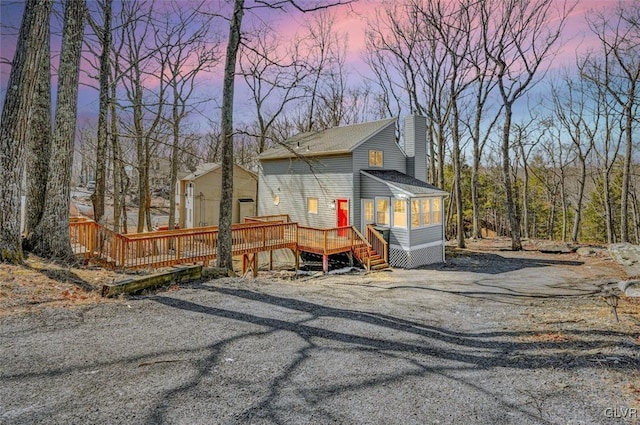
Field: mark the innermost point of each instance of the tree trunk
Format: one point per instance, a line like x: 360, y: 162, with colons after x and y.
x: 565, y: 207
x: 14, y: 123
x: 174, y: 162
x: 516, y: 243
x: 53, y: 231
x: 608, y: 213
x: 119, y: 195
x: 225, y: 259
x: 39, y: 145
x: 97, y: 197
x: 578, y: 218
x: 626, y: 173
x: 457, y: 174
x: 525, y: 187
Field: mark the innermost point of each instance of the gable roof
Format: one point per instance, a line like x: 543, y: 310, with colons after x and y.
x: 337, y: 140
x: 208, y: 167
x: 403, y: 183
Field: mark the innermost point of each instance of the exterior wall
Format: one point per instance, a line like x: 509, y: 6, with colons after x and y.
x: 207, y: 188
x: 294, y: 181
x: 425, y: 235
x: 393, y: 159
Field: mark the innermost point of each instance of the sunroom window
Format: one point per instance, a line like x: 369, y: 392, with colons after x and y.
x: 415, y: 213
x: 382, y: 211
x: 435, y: 211
x: 400, y: 213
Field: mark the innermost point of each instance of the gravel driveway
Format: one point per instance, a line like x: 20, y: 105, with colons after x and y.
x: 489, y: 338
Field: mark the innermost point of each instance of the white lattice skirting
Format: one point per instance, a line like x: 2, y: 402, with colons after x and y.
x: 409, y: 259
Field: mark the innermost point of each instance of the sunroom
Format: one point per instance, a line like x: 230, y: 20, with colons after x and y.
x: 408, y: 212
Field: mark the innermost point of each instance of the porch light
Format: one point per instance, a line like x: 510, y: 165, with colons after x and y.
x: 332, y: 204
x: 276, y: 200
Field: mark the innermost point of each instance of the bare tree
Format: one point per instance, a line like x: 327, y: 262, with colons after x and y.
x: 146, y: 105
x: 38, y: 145
x: 519, y: 37
x: 273, y: 76
x: 618, y: 30
x: 185, y: 49
x: 571, y: 108
x: 52, y: 233
x: 14, y: 123
x: 104, y: 37
x: 225, y: 259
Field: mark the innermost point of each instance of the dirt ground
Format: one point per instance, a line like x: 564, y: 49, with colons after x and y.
x: 490, y: 337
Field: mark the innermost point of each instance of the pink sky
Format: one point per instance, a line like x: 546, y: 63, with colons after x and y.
x: 351, y: 20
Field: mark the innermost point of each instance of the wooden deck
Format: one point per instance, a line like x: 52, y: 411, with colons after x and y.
x: 199, y: 245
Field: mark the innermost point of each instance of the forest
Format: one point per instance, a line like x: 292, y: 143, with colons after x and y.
x: 527, y: 147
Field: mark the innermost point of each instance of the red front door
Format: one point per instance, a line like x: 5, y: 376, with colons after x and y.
x: 343, y: 215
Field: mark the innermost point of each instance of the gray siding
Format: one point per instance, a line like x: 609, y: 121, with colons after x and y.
x: 393, y: 159
x: 415, y: 146
x: 426, y: 235
x: 327, y: 179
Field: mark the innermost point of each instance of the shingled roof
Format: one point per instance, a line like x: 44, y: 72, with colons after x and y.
x: 411, y: 186
x: 337, y: 140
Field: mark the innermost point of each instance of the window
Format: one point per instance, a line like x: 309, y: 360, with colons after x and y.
x: 415, y: 213
x: 312, y: 205
x: 375, y: 159
x: 400, y: 213
x: 435, y: 211
x: 382, y: 211
x: 367, y: 212
x: 426, y: 212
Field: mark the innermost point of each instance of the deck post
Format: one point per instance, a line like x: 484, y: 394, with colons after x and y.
x: 244, y: 264
x: 297, y: 259
x: 350, y: 257
x: 325, y: 263
x: 255, y: 264
x: 270, y: 259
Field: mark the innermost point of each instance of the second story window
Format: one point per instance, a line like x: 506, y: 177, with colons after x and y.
x: 375, y: 159
x: 312, y: 205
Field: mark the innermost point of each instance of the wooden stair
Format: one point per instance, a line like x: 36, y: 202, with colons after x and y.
x: 375, y: 260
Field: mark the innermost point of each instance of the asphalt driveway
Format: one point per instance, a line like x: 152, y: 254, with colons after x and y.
x: 493, y: 338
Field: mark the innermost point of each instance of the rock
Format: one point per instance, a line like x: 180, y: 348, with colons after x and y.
x: 628, y: 256
x: 588, y: 251
x: 631, y: 288
x: 216, y: 273
x: 555, y: 248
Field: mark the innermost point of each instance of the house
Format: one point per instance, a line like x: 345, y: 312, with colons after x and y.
x: 198, y: 195
x: 359, y: 175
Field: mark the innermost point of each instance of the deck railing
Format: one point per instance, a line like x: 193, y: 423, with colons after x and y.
x: 379, y: 245
x: 361, y: 249
x: 179, y: 246
x: 282, y: 218
x: 325, y: 241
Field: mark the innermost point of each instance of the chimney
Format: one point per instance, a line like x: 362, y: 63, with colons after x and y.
x: 415, y: 146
